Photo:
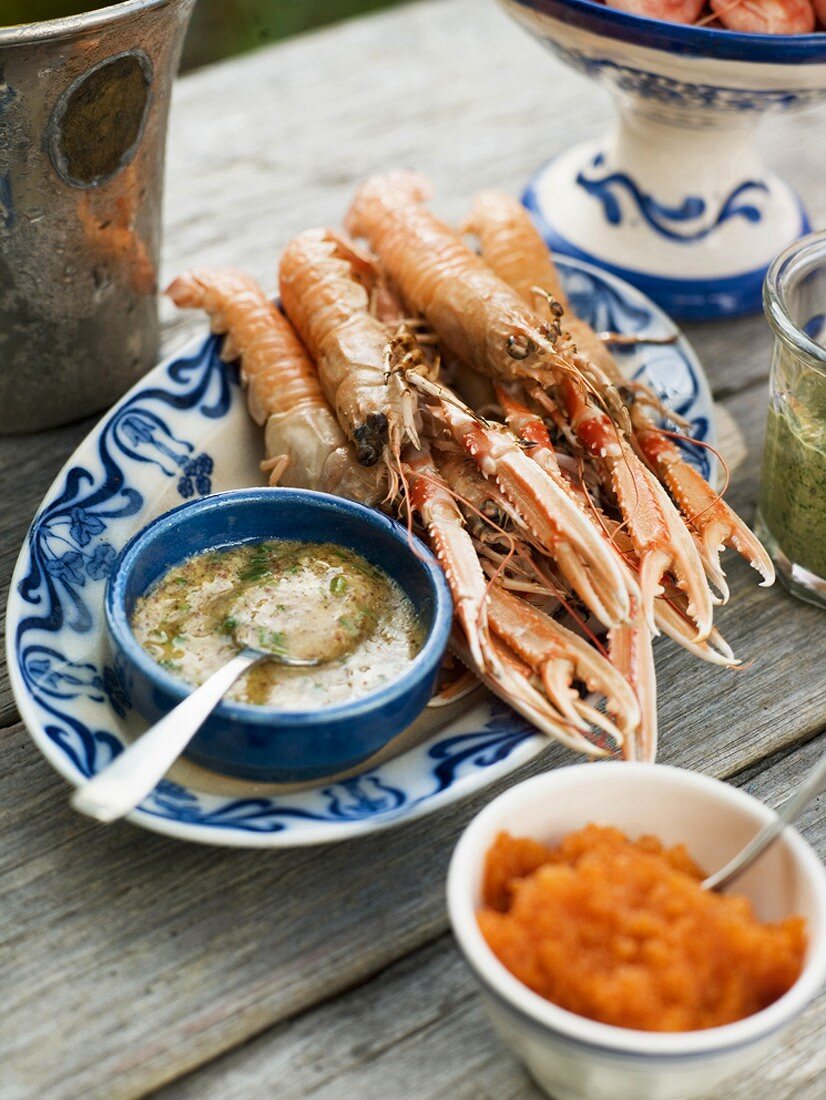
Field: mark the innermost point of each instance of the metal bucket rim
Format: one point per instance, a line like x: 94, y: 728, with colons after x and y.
x: 22, y: 34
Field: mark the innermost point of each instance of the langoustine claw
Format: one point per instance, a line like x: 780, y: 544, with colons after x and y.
x: 660, y: 538
x: 673, y: 620
x: 552, y: 516
x: 630, y: 651
x: 717, y: 524
x: 559, y: 657
x: 556, y: 655
x: 517, y: 690
x: 430, y: 497
x: 629, y: 643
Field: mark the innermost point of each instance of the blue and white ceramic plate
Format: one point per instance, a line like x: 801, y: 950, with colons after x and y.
x: 182, y: 431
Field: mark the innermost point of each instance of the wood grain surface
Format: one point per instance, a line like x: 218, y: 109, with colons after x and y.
x: 130, y: 962
x: 418, y: 1030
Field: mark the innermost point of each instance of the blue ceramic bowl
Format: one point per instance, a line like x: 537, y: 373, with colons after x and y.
x: 260, y: 742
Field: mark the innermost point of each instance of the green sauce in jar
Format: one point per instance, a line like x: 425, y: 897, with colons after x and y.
x: 793, y: 486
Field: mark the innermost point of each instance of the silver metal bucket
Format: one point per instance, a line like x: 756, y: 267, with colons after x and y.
x: 83, y: 111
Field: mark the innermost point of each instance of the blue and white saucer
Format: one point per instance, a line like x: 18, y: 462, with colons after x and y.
x: 182, y: 431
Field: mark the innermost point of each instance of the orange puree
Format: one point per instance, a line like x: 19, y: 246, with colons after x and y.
x: 620, y: 931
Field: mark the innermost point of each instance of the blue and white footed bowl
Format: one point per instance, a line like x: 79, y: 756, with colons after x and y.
x: 675, y: 199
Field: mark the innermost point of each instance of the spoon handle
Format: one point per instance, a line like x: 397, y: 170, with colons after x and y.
x: 131, y: 776
x: 813, y: 785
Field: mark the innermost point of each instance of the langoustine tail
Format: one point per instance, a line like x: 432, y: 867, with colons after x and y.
x: 304, y: 445
x: 630, y: 650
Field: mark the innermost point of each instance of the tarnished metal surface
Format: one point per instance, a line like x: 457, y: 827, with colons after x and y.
x: 83, y: 110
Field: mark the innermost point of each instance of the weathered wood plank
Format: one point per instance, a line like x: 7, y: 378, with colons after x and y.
x: 418, y: 1030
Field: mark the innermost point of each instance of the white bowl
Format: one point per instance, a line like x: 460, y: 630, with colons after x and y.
x: 675, y: 199
x: 574, y: 1058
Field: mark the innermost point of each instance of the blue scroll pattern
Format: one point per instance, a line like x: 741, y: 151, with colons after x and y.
x: 687, y: 222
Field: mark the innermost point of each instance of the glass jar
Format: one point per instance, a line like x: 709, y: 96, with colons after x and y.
x: 791, y: 516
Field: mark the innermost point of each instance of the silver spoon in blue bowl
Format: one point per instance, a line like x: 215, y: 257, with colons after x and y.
x: 133, y: 774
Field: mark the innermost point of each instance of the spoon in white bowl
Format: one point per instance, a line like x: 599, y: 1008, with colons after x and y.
x: 133, y: 774
x: 813, y: 785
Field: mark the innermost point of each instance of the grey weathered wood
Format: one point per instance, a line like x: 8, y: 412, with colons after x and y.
x: 126, y: 959
x: 418, y: 1030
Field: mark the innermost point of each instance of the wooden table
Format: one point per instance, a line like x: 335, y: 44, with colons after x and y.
x: 131, y: 963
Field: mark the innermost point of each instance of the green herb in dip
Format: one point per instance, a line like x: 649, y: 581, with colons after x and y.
x: 297, y: 598
x: 793, y: 485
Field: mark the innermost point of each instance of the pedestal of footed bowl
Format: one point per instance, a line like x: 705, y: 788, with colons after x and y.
x: 675, y: 199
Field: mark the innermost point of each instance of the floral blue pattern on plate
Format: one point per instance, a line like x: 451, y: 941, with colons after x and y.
x: 184, y: 430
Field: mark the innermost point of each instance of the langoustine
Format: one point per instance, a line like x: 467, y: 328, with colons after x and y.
x: 328, y: 302
x: 305, y: 446
x: 382, y: 388
x: 521, y: 509
x: 490, y: 326
x: 514, y: 249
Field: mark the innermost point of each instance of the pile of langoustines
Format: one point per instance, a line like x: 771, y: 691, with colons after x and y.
x: 455, y: 389
x: 745, y: 16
